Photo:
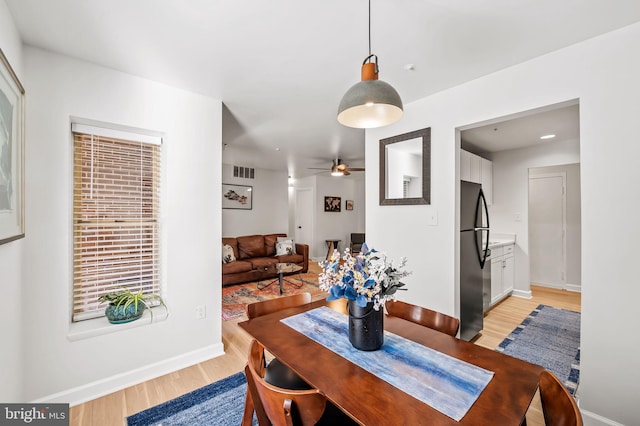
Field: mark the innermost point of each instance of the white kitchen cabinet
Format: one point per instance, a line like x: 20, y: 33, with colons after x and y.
x: 470, y: 167
x: 474, y: 168
x: 465, y: 165
x: 508, y: 274
x: 502, y: 272
x: 486, y: 179
x: 496, y: 279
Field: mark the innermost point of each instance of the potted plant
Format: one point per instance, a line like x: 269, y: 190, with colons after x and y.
x: 367, y: 281
x: 126, y: 306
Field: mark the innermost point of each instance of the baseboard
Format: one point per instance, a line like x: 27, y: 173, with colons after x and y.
x: 522, y: 293
x: 569, y: 287
x: 593, y: 419
x: 99, y: 388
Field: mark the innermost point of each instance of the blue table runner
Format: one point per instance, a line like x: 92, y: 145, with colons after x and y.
x: 447, y: 384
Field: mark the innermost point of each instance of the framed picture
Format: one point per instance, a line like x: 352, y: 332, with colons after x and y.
x: 348, y: 205
x: 11, y: 153
x: 332, y: 204
x: 237, y: 197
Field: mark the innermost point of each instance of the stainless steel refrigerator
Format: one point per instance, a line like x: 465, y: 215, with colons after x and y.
x: 474, y: 254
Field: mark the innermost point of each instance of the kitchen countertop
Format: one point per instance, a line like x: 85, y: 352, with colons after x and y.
x: 499, y: 240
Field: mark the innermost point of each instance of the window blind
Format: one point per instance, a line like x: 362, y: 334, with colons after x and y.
x: 116, y: 201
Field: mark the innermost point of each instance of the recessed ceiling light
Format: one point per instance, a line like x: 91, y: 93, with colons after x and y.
x: 547, y: 136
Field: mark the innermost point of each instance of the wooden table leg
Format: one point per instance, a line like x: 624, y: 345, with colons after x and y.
x: 332, y: 246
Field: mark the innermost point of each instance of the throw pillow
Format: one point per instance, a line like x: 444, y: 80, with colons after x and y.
x: 284, y: 247
x: 287, y: 239
x: 227, y: 254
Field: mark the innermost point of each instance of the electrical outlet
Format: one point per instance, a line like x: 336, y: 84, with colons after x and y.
x: 201, y: 311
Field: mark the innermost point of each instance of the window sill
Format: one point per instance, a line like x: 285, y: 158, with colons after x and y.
x: 101, y: 326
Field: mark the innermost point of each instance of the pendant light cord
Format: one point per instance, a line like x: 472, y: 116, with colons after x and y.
x: 369, y: 27
x: 369, y: 58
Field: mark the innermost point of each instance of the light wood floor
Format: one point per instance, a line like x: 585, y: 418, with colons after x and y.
x: 112, y: 409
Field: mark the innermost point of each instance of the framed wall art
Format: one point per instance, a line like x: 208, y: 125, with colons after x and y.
x: 332, y: 204
x: 348, y: 205
x: 237, y: 197
x: 11, y: 153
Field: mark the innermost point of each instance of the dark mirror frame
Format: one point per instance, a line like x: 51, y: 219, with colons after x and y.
x: 426, y: 168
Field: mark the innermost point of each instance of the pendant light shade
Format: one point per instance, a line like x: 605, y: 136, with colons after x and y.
x: 371, y: 102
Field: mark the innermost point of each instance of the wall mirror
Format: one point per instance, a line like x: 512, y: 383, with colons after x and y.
x: 405, y: 169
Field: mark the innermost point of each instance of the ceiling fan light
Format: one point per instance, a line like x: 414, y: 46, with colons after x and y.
x: 369, y: 104
x: 335, y: 171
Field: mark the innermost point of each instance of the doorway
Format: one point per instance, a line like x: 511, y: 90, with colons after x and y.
x: 303, y: 222
x: 554, y: 226
x: 547, y: 229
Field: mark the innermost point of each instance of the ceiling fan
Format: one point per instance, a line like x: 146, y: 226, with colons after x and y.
x: 338, y: 168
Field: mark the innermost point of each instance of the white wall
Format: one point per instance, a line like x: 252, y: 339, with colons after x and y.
x: 335, y: 225
x: 574, y: 224
x: 11, y: 255
x: 603, y: 74
x: 60, y: 369
x: 269, y: 214
x: 511, y: 196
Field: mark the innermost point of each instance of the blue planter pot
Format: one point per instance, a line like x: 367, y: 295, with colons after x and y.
x: 119, y: 315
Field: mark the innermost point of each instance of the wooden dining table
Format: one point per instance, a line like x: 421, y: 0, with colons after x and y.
x: 370, y: 400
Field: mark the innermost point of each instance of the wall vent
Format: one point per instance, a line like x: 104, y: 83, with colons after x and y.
x: 244, y: 172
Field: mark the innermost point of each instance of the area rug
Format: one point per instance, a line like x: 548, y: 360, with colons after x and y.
x: 549, y: 337
x: 218, y: 404
x: 236, y: 297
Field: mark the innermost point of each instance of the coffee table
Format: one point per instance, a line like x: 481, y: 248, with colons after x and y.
x: 281, y: 269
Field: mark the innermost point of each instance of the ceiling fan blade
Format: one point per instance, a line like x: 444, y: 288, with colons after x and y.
x: 356, y: 169
x: 342, y: 166
x: 346, y: 173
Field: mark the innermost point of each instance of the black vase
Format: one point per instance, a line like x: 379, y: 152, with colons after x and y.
x: 366, y: 328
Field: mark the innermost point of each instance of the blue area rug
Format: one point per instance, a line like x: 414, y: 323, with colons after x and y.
x: 218, y: 404
x: 549, y: 337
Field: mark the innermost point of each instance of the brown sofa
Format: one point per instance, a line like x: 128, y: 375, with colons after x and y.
x: 256, y: 258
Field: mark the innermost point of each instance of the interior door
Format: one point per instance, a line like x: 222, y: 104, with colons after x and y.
x: 304, y: 216
x: 547, y: 229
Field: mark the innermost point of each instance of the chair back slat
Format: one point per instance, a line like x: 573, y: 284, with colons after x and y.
x: 265, y: 307
x: 423, y: 316
x: 558, y: 406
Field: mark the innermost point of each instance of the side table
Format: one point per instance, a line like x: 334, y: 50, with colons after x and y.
x: 332, y: 245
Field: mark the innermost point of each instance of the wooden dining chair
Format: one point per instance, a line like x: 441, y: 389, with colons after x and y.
x: 265, y: 307
x: 276, y: 373
x: 558, y: 405
x: 286, y: 406
x: 423, y: 316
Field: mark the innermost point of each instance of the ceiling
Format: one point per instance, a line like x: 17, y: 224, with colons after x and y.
x: 281, y: 66
x: 523, y: 130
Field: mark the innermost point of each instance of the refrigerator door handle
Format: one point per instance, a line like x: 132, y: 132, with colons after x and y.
x: 482, y: 251
x: 481, y: 204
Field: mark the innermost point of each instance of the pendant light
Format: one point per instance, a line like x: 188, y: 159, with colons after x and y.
x: 371, y: 102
